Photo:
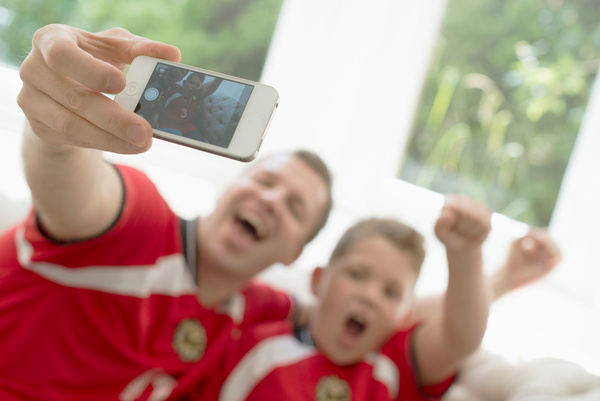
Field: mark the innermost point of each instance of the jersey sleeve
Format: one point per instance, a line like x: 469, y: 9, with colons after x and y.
x: 144, y: 230
x: 400, y: 350
x: 264, y: 304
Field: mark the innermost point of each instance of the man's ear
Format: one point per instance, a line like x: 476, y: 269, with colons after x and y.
x: 316, y: 279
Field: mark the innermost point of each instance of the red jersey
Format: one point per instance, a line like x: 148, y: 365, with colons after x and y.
x: 115, y: 317
x: 270, y: 362
x: 179, y: 113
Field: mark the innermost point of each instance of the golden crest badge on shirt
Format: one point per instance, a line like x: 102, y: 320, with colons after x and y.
x: 332, y: 388
x: 189, y: 340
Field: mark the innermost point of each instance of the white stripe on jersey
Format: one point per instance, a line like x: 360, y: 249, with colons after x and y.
x: 162, y: 386
x: 283, y: 350
x: 386, y: 372
x: 263, y: 358
x: 173, y: 97
x: 169, y: 276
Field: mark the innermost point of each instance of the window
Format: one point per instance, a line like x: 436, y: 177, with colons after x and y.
x: 503, y: 102
x: 228, y: 36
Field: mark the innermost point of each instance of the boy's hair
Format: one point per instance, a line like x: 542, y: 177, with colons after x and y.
x: 398, y: 234
x: 318, y: 165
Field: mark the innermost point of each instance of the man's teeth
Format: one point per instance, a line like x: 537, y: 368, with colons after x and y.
x: 256, y: 223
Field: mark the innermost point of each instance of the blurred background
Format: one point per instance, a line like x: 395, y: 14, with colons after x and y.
x: 497, y: 115
x: 406, y: 101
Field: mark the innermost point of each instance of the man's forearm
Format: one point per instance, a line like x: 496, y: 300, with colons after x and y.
x: 74, y: 191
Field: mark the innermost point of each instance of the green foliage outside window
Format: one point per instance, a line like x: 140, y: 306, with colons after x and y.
x: 503, y: 102
x: 230, y: 36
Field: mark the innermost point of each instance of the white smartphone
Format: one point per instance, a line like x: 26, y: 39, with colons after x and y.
x: 202, y: 109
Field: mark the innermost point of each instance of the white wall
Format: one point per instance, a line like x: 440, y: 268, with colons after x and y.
x: 576, y: 219
x: 14, y: 193
x: 348, y: 75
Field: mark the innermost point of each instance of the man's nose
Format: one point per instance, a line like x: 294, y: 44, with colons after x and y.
x: 273, y: 196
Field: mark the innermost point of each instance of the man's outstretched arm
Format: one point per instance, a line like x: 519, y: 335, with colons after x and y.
x: 70, y: 121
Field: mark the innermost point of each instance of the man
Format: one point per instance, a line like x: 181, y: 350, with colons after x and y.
x: 105, y: 293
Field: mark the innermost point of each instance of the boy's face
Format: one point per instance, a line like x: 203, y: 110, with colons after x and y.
x: 191, y: 85
x: 265, y: 217
x: 362, y: 298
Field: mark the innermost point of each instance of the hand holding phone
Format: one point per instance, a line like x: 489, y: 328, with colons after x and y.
x: 202, y: 109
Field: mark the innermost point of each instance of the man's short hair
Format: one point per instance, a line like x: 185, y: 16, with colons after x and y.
x: 318, y: 165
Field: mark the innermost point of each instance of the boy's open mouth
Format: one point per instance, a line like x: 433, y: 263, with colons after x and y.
x: 356, y: 324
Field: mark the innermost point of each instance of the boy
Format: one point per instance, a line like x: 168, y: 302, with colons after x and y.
x: 356, y: 346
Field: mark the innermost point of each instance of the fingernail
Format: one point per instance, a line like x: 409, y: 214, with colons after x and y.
x: 136, y: 134
x: 136, y: 149
x: 115, y: 84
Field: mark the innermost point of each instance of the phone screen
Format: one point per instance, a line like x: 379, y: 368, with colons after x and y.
x: 193, y: 104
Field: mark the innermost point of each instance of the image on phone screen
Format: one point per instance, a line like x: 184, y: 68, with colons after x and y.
x: 193, y: 104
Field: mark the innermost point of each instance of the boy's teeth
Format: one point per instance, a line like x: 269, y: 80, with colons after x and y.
x: 359, y: 319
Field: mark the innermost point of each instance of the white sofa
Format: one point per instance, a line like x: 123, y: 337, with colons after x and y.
x: 488, y: 376
x: 214, y: 122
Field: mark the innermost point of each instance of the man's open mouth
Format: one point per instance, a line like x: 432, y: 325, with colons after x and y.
x: 252, y: 224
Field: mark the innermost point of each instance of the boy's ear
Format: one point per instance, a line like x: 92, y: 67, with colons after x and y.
x: 316, y: 278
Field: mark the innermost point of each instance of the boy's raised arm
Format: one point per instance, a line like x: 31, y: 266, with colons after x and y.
x: 530, y: 258
x: 443, y: 341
